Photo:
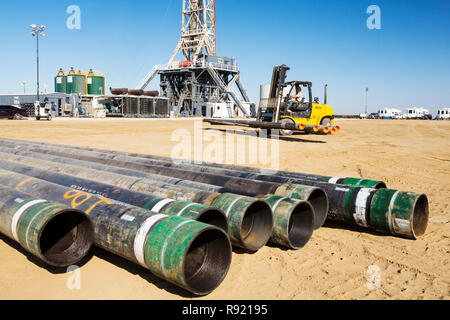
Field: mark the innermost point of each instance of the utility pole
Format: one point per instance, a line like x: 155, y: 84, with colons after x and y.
x: 367, y: 92
x: 24, y: 84
x: 35, y: 32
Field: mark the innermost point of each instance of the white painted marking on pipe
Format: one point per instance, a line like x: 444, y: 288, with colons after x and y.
x: 139, y: 240
x: 390, y: 215
x: 188, y: 206
x: 157, y: 208
x: 360, y: 207
x: 163, y: 251
x: 127, y: 217
x: 403, y: 226
x: 341, y: 189
x: 334, y: 180
x: 277, y: 203
x: 18, y: 215
x: 232, y: 204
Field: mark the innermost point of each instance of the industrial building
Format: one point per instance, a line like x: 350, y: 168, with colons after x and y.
x: 65, y: 102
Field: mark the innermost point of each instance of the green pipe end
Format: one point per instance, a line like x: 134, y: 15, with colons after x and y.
x: 399, y: 213
x: 59, y: 235
x: 293, y: 221
x: 364, y: 183
x: 190, y: 254
x: 198, y: 212
x: 250, y: 220
x: 316, y: 196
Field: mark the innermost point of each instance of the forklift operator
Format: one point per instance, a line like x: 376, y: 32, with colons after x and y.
x: 297, y: 99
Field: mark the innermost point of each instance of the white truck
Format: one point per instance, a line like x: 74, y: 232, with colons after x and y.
x: 443, y: 114
x: 390, y: 113
x: 418, y: 113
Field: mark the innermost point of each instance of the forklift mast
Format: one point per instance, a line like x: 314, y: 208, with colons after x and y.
x: 278, y: 81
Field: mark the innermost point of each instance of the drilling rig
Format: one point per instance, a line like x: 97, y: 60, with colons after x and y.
x: 202, y: 83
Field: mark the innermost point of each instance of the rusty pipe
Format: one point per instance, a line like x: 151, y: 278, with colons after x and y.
x: 188, y: 253
x: 56, y: 234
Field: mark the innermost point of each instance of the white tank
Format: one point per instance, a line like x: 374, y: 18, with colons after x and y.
x: 264, y: 91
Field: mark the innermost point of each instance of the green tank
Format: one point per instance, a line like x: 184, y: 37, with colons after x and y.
x: 95, y: 84
x: 76, y: 82
x: 61, y: 82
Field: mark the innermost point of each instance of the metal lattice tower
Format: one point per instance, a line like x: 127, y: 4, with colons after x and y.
x: 198, y: 29
x: 202, y: 79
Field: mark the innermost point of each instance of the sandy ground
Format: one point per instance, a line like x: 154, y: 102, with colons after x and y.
x: 412, y: 156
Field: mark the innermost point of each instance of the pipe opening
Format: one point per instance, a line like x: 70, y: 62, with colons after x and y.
x: 214, y: 217
x: 301, y: 225
x: 207, y: 261
x: 380, y: 185
x: 256, y: 226
x: 420, y: 216
x: 319, y: 201
x: 66, y: 238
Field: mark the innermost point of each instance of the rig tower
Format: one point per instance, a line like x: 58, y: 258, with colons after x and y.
x: 201, y: 84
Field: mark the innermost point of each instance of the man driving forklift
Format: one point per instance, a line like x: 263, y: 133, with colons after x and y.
x: 295, y: 101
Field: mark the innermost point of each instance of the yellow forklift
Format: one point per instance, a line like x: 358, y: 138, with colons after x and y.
x: 282, y: 107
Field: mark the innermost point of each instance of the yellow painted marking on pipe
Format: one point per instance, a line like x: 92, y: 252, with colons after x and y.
x: 76, y: 195
x: 102, y: 199
x: 24, y: 182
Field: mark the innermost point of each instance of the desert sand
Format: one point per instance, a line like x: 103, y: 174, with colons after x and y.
x: 408, y: 155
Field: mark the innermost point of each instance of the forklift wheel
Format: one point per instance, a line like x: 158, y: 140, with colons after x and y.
x: 326, y: 122
x: 38, y: 118
x: 287, y: 132
x: 49, y: 118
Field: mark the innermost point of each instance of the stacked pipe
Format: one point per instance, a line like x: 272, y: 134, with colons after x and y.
x: 300, y: 127
x: 188, y: 253
x: 250, y: 219
x: 389, y: 211
x: 349, y: 181
x: 252, y: 188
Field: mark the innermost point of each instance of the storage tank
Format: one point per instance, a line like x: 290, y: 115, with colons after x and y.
x: 76, y: 82
x: 95, y: 83
x: 264, y: 95
x: 61, y: 82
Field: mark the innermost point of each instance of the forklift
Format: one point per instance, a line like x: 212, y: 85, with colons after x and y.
x: 282, y: 108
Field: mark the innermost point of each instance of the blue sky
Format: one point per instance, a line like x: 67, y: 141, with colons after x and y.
x: 406, y: 63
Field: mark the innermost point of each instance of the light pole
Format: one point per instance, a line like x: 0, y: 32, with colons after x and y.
x: 24, y: 84
x: 35, y: 32
x: 367, y: 92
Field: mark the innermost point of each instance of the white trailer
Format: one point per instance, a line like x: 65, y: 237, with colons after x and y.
x: 443, y: 114
x: 390, y: 113
x: 418, y: 113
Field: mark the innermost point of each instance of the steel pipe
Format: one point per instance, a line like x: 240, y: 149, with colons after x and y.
x: 188, y: 253
x: 247, y: 187
x: 358, y: 182
x: 294, y: 223
x: 347, y: 204
x: 258, y: 124
x: 56, y: 234
x: 241, y: 211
